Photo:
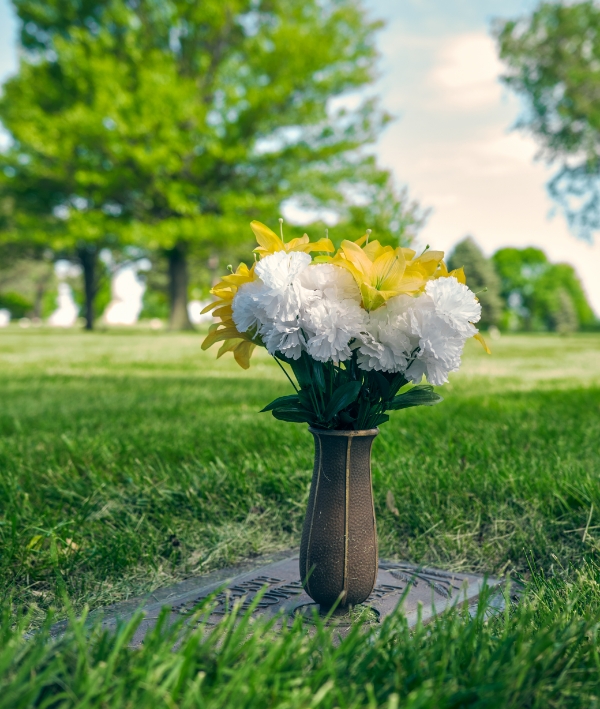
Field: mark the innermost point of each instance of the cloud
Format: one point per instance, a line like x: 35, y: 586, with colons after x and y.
x: 466, y: 72
x: 454, y: 148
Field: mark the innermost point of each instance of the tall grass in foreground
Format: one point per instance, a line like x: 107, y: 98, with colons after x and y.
x: 129, y: 461
x: 541, y: 654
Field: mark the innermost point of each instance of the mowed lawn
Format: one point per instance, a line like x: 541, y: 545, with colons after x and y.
x: 131, y: 459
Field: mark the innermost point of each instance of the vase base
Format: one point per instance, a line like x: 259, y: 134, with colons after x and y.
x: 342, y: 616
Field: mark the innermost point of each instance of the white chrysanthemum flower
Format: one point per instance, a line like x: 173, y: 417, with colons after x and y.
x: 388, y: 344
x: 436, y: 369
x: 331, y: 282
x: 372, y: 355
x: 440, y: 345
x: 273, y: 304
x: 286, y: 338
x: 281, y: 297
x: 331, y: 325
x: 331, y: 316
x: 455, y: 304
x: 409, y: 335
x: 247, y: 313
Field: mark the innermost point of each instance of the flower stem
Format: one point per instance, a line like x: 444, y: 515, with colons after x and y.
x: 286, y: 374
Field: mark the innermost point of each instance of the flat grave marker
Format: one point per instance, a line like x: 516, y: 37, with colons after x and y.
x: 426, y: 591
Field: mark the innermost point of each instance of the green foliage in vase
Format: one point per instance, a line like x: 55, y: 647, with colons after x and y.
x: 345, y: 397
x: 552, y: 61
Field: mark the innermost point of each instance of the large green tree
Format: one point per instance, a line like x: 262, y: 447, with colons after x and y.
x: 174, y: 123
x: 541, y: 295
x: 552, y: 61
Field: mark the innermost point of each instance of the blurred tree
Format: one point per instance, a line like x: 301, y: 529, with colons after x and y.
x: 26, y: 278
x: 392, y: 216
x: 564, y: 315
x: 558, y: 284
x: 480, y: 274
x: 541, y: 295
x: 171, y: 125
x: 553, y: 63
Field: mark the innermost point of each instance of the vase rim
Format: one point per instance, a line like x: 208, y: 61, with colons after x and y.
x: 363, y: 432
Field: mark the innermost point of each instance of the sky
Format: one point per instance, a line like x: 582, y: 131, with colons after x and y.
x: 451, y: 142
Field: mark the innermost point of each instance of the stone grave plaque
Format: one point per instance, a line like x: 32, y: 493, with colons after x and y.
x: 423, y: 590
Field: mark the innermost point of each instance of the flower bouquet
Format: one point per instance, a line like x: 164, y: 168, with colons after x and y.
x: 351, y: 330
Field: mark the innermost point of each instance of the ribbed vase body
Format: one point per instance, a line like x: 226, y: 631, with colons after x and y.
x: 338, y: 553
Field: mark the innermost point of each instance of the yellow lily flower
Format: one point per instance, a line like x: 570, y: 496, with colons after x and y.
x: 225, y: 331
x: 269, y: 242
x: 458, y: 273
x: 382, y: 272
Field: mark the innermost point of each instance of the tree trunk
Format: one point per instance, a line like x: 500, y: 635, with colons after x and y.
x: 178, y: 286
x: 88, y: 257
x: 41, y: 287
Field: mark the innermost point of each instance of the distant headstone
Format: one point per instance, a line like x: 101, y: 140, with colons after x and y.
x: 195, y: 314
x: 423, y: 593
x: 67, y: 311
x: 127, y: 292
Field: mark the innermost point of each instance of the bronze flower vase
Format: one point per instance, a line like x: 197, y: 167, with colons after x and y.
x: 338, y: 553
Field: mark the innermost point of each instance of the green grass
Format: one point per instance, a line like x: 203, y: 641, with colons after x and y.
x: 130, y: 460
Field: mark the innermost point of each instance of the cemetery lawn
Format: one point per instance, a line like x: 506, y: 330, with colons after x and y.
x: 130, y: 460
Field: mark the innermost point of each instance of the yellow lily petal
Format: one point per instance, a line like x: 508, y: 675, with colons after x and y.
x: 412, y: 283
x: 218, y: 335
x: 242, y: 354
x: 374, y: 250
x: 459, y: 274
x: 409, y: 254
x: 224, y: 312
x: 321, y: 245
x: 267, y: 239
x: 343, y: 263
x: 238, y: 279
x: 479, y: 338
x: 429, y: 261
x: 228, y: 346
x: 297, y: 244
x: 371, y: 297
x: 210, y: 306
x: 358, y: 259
x: 442, y: 271
x: 392, y: 273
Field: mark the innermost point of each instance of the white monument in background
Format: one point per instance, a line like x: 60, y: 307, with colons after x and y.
x: 195, y: 314
x: 4, y: 317
x: 67, y: 311
x: 127, y: 292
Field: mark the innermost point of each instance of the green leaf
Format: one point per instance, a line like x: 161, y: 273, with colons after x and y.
x: 342, y: 397
x: 281, y: 402
x: 381, y: 418
x: 319, y: 376
x: 302, y: 369
x: 293, y: 415
x: 420, y: 395
x: 345, y: 417
x: 382, y: 384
